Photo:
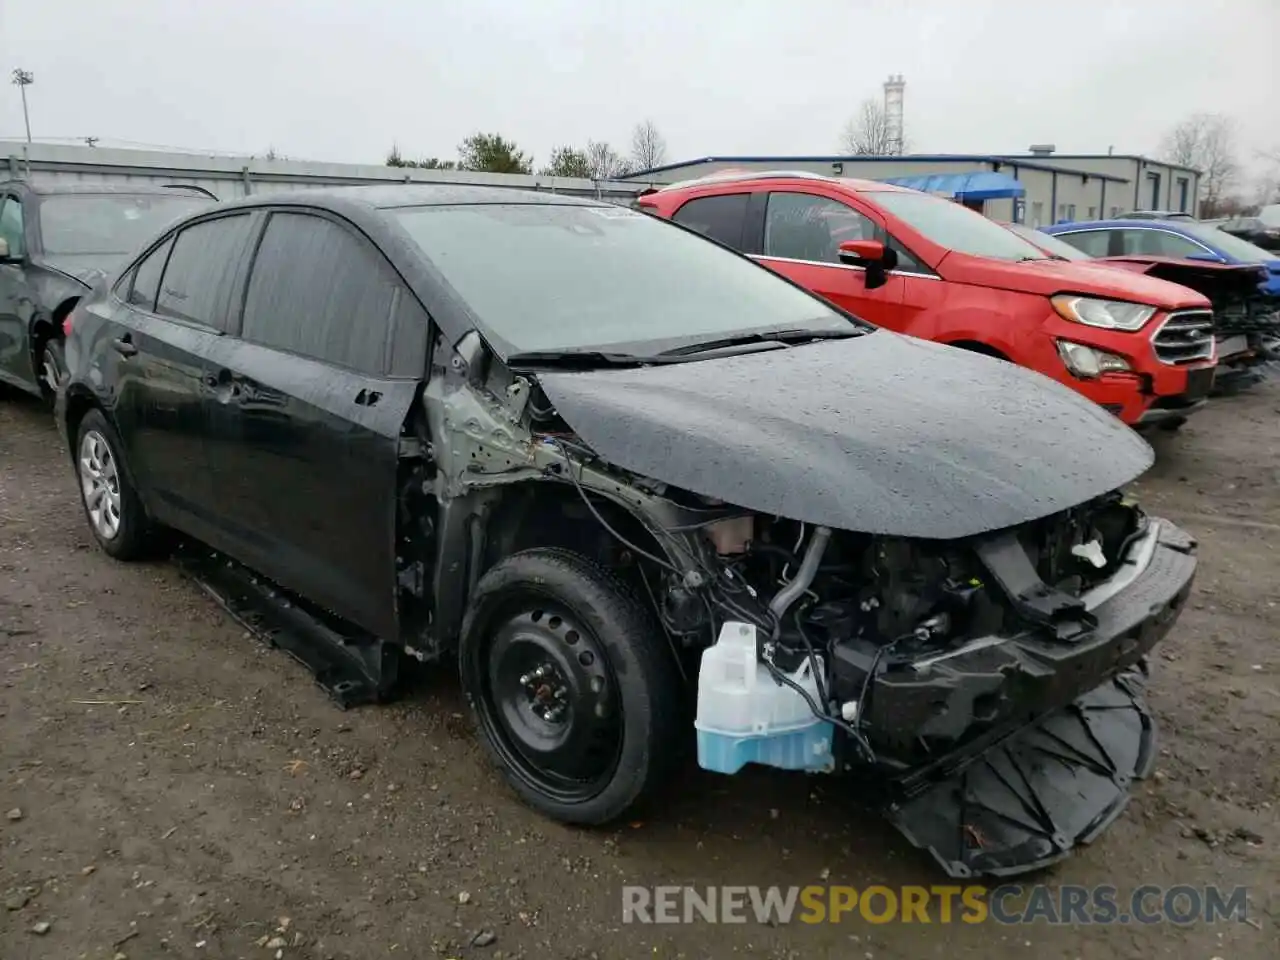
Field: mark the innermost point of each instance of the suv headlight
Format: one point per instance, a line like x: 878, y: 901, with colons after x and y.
x: 1108, y: 314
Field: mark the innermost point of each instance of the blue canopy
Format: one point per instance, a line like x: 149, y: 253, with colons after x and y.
x: 984, y: 185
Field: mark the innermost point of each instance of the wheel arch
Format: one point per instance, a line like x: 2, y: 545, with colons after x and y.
x: 495, y: 524
x: 977, y: 346
x: 45, y: 326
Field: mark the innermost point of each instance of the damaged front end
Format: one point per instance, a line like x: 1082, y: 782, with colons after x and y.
x: 1246, y: 320
x: 852, y: 598
x: 984, y: 685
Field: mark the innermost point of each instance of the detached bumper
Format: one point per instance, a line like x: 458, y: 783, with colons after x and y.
x: 1031, y: 743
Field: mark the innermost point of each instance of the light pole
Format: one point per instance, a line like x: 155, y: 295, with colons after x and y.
x: 24, y: 78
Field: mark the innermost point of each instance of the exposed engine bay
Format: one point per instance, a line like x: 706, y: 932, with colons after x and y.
x: 869, y: 607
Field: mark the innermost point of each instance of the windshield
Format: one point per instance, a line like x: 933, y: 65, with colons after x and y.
x: 102, y: 224
x: 1047, y: 243
x: 543, y: 277
x: 1232, y: 246
x: 955, y: 226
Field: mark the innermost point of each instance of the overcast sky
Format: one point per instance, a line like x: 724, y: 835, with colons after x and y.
x: 323, y: 80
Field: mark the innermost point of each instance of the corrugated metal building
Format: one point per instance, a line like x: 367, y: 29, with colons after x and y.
x: 230, y: 178
x: 1037, y: 189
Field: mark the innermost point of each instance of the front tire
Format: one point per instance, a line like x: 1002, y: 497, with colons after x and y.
x: 572, y: 686
x: 53, y: 366
x: 111, y: 504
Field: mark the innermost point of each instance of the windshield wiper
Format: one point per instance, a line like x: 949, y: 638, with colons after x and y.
x: 1047, y: 256
x: 798, y: 335
x: 584, y: 359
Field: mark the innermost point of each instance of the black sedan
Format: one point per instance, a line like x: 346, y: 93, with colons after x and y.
x: 1256, y: 230
x: 636, y: 484
x: 55, y: 242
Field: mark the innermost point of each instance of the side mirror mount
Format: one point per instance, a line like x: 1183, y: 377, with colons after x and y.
x: 877, y: 258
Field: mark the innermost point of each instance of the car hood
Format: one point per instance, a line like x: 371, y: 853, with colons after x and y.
x: 882, y: 434
x: 1047, y: 277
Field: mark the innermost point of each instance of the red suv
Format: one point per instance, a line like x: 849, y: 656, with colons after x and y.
x: 925, y: 266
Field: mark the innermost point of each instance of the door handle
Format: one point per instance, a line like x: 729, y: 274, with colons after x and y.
x: 367, y: 398
x: 124, y: 346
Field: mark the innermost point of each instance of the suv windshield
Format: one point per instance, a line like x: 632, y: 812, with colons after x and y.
x: 1049, y: 244
x: 108, y: 224
x: 545, y: 277
x: 954, y: 226
x: 1232, y: 246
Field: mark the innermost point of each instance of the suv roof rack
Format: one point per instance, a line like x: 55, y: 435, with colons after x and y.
x: 728, y: 176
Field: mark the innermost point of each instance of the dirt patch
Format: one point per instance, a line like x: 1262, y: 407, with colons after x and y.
x: 182, y: 791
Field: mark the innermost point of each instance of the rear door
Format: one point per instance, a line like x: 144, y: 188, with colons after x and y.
x: 307, y: 402
x: 801, y: 240
x: 176, y: 303
x: 721, y: 217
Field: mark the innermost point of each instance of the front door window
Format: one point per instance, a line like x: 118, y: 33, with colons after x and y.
x: 801, y: 226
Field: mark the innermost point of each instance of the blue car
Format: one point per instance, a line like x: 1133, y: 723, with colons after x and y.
x: 1186, y: 239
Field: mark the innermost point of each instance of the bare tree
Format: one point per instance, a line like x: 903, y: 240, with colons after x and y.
x: 648, y: 148
x: 867, y: 132
x: 1206, y: 142
x: 604, y: 162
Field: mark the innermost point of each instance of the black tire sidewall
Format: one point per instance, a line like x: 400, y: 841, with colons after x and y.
x: 642, y: 666
x: 130, y: 541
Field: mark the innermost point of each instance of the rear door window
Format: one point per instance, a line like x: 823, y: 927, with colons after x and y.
x: 802, y: 226
x: 720, y: 217
x: 1157, y: 243
x: 199, y: 279
x: 319, y: 290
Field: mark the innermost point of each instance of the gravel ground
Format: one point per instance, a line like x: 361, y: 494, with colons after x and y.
x: 175, y: 789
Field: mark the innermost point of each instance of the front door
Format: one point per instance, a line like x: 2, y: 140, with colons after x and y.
x: 306, y: 406
x: 175, y: 311
x: 802, y: 237
x: 16, y: 299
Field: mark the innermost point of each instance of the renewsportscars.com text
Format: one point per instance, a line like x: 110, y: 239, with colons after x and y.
x: 1007, y: 904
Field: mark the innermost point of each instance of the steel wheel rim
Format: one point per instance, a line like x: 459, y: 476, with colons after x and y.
x: 100, y: 484
x: 560, y: 731
x: 50, y: 369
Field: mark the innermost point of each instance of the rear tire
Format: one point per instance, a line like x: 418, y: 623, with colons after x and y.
x: 573, y: 688
x: 111, y: 503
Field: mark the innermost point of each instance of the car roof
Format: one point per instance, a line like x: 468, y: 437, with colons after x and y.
x: 389, y: 196
x: 1137, y: 223
x: 84, y: 187
x: 750, y: 176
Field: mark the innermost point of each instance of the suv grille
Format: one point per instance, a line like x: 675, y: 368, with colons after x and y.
x: 1184, y: 337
